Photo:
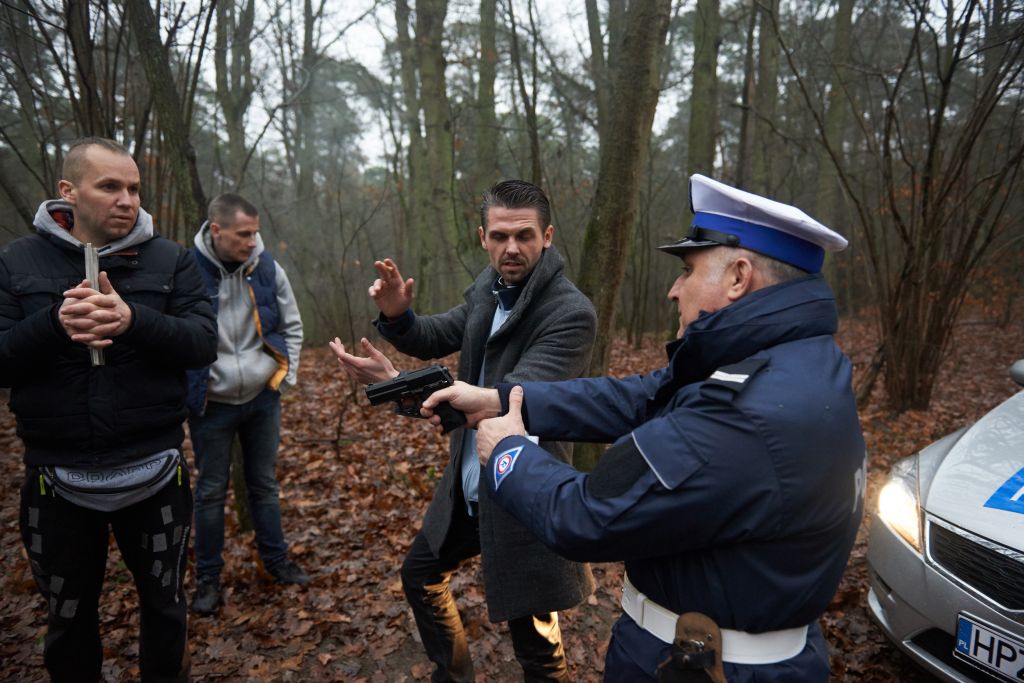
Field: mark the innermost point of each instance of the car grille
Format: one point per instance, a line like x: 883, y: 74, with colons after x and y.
x: 995, y: 571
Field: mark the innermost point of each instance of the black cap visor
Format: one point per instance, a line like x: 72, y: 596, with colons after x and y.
x: 677, y: 248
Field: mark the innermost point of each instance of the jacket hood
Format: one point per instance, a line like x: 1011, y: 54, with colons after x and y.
x: 791, y: 310
x: 55, y: 218
x: 204, y: 243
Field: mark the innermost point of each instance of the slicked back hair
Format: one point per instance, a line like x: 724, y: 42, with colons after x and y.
x: 74, y: 160
x: 516, y: 194
x: 223, y: 208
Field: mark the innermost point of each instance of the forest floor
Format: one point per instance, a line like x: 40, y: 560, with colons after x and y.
x: 355, y: 481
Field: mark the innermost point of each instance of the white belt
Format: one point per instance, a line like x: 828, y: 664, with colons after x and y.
x: 738, y: 647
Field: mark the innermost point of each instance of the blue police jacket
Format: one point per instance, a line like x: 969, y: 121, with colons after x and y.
x: 735, y: 483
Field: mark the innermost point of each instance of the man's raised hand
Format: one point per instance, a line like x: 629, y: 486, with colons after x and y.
x: 375, y: 367
x: 389, y: 291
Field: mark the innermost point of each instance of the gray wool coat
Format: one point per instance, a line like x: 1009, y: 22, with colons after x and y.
x: 548, y: 336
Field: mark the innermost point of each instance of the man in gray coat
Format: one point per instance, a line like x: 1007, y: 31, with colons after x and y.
x: 521, y: 320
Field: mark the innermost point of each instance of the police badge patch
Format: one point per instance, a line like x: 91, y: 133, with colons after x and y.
x: 504, y: 464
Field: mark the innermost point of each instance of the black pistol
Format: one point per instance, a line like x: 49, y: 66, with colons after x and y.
x: 410, y: 388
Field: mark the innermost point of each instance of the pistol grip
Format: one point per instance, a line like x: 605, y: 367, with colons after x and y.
x: 451, y: 418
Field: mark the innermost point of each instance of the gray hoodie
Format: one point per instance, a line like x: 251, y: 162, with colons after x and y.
x: 243, y: 366
x: 45, y: 224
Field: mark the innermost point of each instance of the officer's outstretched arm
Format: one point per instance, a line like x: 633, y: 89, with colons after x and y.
x: 681, y: 481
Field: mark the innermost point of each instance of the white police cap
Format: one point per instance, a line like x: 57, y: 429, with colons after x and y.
x: 724, y: 215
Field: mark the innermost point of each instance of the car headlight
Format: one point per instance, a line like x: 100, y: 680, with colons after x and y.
x: 899, y: 503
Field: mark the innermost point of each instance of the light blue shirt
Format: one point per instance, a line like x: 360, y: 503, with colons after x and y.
x: 470, y: 461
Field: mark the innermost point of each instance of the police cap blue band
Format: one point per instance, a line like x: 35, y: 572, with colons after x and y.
x: 764, y: 240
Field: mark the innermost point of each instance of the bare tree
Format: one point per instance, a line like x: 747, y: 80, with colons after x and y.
x: 704, y: 97
x: 170, y: 110
x: 933, y: 194
x: 529, y: 101
x: 232, y: 58
x: 486, y: 148
x: 765, y: 96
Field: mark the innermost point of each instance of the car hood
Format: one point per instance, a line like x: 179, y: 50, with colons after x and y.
x: 980, y: 484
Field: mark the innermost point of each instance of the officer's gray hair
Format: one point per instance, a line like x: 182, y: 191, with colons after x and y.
x: 773, y: 270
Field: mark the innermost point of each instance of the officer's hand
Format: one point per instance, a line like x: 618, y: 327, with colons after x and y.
x: 490, y: 432
x: 390, y: 292
x: 92, y: 317
x: 375, y: 367
x: 477, y: 403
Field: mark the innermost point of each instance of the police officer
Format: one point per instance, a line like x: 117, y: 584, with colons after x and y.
x: 733, y: 488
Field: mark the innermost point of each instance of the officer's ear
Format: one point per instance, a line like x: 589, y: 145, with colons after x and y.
x: 483, y: 242
x: 740, y: 278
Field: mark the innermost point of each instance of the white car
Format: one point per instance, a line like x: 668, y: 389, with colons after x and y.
x: 946, y: 551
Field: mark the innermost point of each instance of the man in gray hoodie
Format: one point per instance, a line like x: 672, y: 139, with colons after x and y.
x: 259, y: 339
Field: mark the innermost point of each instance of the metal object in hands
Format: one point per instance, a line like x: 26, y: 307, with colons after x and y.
x: 92, y: 274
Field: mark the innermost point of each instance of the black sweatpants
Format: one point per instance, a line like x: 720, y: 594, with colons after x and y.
x: 67, y: 549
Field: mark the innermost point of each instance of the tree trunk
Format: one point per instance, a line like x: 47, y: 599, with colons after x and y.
x: 167, y: 102
x: 486, y: 149
x: 704, y: 97
x: 529, y: 102
x: 765, y: 96
x: 407, y: 250
x: 234, y: 79
x: 828, y: 193
x: 88, y: 106
x: 622, y: 161
x: 26, y: 212
x: 306, y: 209
x: 439, y: 279
x: 623, y: 156
x: 745, y: 153
x: 598, y: 68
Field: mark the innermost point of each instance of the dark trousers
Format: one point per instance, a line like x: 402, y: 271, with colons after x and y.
x: 258, y: 426
x: 67, y: 550
x: 536, y: 639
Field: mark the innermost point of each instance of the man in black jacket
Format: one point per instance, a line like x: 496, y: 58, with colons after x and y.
x: 103, y: 435
x: 522, y: 319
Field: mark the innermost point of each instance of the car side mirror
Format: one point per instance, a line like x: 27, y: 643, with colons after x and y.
x: 1017, y: 372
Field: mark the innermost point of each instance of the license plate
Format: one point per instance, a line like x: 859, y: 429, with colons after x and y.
x: 990, y: 648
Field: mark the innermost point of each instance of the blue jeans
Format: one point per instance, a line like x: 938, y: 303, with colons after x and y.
x: 258, y: 425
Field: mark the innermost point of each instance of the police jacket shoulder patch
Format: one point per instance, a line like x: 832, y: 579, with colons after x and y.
x: 733, y: 377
